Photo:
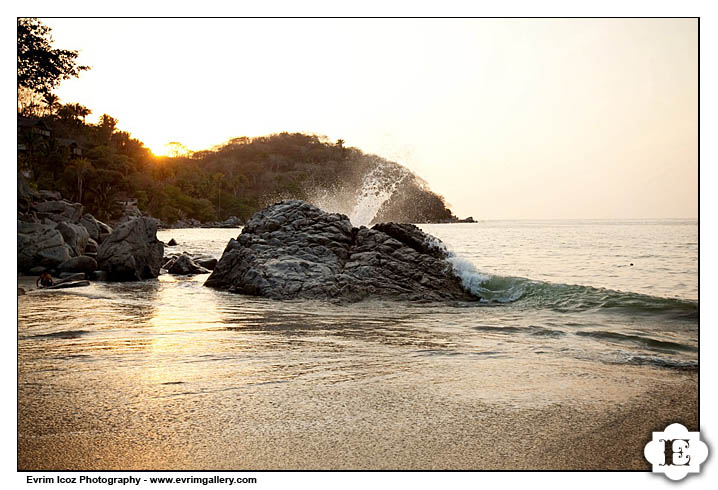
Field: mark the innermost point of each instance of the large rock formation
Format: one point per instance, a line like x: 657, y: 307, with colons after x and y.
x: 96, y: 229
x: 58, y: 211
x: 132, y: 251
x: 295, y: 250
x: 40, y: 245
x: 53, y: 234
x: 81, y: 263
x: 75, y: 236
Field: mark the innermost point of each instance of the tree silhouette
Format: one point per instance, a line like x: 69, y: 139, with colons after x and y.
x: 41, y: 68
x: 106, y: 125
x: 73, y: 112
x: 52, y: 102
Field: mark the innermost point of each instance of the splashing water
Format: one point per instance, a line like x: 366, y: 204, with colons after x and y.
x: 378, y: 186
x: 334, y: 200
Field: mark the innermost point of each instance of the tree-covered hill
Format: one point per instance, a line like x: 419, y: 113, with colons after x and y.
x: 102, y: 167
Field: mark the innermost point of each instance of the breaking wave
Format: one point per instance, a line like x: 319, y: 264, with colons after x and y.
x: 565, y: 297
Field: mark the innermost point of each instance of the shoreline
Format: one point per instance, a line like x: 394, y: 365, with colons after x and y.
x: 547, y: 418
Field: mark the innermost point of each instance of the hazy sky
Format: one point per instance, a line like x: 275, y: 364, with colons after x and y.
x: 505, y: 118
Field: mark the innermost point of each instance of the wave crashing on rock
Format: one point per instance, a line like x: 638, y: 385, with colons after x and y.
x: 293, y: 249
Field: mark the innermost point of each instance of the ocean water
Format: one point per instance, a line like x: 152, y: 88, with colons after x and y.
x: 554, y: 292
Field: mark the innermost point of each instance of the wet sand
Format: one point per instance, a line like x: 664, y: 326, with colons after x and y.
x: 512, y: 414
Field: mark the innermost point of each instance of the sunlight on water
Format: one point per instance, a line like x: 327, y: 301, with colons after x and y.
x: 164, y: 357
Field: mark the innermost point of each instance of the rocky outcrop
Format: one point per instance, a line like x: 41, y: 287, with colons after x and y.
x: 40, y: 245
x: 82, y: 263
x: 231, y: 222
x: 96, y: 229
x: 57, y: 211
x: 26, y: 195
x: 132, y: 251
x: 183, y: 265
x: 75, y: 237
x: 208, y: 263
x: 294, y: 250
x: 54, y: 235
x: 91, y: 247
x: 49, y: 195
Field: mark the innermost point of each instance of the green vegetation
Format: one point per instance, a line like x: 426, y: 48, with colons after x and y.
x: 101, y: 166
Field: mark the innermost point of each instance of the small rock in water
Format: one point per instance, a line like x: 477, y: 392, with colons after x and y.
x: 20, y: 291
x: 207, y: 263
x: 172, y: 243
x: 184, y: 266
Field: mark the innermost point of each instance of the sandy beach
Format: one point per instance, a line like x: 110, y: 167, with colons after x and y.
x: 515, y: 415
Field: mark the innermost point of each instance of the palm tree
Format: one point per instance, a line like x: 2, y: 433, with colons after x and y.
x: 52, y: 102
x: 82, y: 111
x: 73, y: 112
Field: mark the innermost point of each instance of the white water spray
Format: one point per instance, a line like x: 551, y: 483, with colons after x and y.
x: 378, y: 187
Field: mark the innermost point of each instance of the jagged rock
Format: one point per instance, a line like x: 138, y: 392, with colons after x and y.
x: 82, y: 263
x: 187, y: 223
x: 172, y: 243
x: 414, y: 238
x: 40, y: 245
x: 132, y: 251
x: 26, y: 195
x: 96, y: 228
x: 50, y: 195
x: 90, y: 224
x: 91, y: 246
x: 75, y: 237
x: 208, y: 263
x: 58, y: 211
x: 184, y: 265
x: 294, y: 250
x: 29, y: 217
x: 231, y: 222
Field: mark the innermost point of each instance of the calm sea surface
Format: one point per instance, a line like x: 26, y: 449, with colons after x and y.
x: 553, y: 291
